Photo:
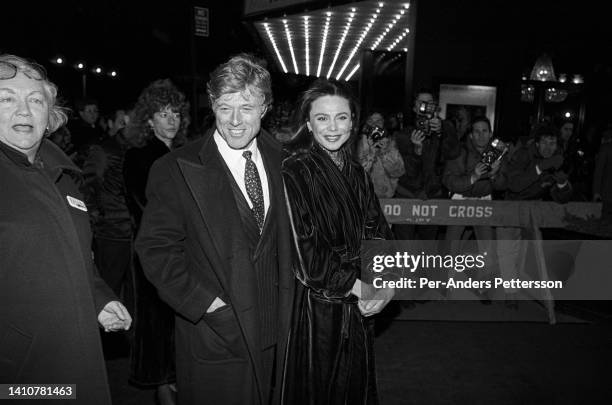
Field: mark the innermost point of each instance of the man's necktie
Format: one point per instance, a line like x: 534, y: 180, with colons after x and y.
x: 254, y: 190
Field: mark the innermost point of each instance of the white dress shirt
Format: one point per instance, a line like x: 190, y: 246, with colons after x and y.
x: 236, y: 163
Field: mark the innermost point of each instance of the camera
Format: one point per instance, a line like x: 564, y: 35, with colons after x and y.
x: 426, y: 111
x: 494, y: 151
x: 374, y: 133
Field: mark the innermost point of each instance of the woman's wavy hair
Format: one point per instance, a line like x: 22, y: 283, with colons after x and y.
x: 303, y: 138
x: 57, y: 114
x: 155, y: 98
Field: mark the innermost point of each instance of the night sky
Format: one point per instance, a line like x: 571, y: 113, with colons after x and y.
x: 142, y: 41
x: 145, y: 41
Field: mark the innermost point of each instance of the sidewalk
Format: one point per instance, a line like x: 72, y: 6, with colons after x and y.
x: 466, y: 362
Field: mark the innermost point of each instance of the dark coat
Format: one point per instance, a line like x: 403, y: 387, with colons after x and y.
x: 104, y: 190
x: 458, y: 173
x: 524, y: 182
x: 136, y: 167
x: 193, y: 248
x: 331, y: 359
x: 423, y: 176
x: 602, y: 178
x: 152, y: 355
x: 50, y: 294
x: 83, y: 136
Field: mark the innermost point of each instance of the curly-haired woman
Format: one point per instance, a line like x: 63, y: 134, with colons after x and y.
x: 159, y: 123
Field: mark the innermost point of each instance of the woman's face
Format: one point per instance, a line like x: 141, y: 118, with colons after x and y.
x: 24, y: 113
x: 330, y: 121
x: 165, y: 124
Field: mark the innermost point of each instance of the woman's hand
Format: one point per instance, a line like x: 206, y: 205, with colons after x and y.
x: 380, y: 299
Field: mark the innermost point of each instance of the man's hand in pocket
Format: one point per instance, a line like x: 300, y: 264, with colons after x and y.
x: 216, y: 304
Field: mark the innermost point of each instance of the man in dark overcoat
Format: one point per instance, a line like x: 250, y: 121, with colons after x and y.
x: 215, y: 241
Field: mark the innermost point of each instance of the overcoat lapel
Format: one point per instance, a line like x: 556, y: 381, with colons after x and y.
x: 272, y: 167
x: 273, y: 163
x: 211, y: 190
x: 210, y: 186
x: 205, y: 182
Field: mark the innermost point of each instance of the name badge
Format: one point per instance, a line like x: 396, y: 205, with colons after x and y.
x: 78, y: 204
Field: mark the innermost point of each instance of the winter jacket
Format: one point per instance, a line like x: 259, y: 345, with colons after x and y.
x: 383, y: 166
x: 524, y: 182
x: 104, y: 190
x: 602, y: 178
x: 458, y: 173
x: 423, y: 172
x: 50, y: 293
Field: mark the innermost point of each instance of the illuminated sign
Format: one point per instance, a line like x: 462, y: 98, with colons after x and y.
x: 326, y: 42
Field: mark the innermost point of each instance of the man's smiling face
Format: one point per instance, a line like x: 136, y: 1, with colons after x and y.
x: 238, y: 117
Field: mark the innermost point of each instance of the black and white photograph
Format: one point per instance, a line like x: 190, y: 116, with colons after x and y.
x: 305, y: 202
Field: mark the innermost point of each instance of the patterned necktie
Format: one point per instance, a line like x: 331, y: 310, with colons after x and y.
x: 254, y: 190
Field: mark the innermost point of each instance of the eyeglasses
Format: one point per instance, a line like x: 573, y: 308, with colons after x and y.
x: 9, y: 70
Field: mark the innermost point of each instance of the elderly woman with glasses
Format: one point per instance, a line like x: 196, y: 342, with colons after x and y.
x: 50, y: 293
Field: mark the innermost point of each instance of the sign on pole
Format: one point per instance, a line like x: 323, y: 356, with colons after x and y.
x: 202, y: 22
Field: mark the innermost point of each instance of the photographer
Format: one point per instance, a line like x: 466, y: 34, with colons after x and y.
x: 378, y: 154
x: 473, y: 176
x: 533, y: 173
x: 425, y: 146
x: 475, y: 173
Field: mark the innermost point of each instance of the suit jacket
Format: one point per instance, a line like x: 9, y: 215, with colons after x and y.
x: 193, y: 248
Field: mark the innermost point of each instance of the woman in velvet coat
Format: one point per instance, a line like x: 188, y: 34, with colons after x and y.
x: 333, y: 208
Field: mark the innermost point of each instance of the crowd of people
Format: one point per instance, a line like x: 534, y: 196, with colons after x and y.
x: 432, y: 158
x: 236, y: 255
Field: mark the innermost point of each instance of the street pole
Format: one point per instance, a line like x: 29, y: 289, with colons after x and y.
x: 84, y: 84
